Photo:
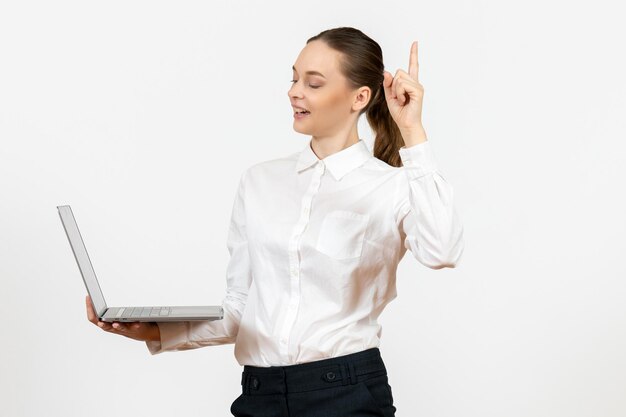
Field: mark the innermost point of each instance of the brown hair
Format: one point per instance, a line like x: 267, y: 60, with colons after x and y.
x: 362, y: 65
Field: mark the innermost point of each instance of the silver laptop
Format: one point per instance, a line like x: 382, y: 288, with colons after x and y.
x: 152, y: 313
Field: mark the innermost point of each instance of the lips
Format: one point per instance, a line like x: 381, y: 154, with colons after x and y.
x: 300, y: 110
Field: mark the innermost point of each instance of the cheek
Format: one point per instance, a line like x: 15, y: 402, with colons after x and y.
x: 332, y: 103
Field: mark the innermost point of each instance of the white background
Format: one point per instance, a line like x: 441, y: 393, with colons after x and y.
x: 143, y: 114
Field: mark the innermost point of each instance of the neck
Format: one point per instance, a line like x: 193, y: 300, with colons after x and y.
x: 324, y: 146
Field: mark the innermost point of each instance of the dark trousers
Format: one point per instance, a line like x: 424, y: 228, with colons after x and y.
x: 343, y: 386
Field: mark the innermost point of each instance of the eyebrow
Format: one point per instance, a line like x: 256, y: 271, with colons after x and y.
x: 310, y: 72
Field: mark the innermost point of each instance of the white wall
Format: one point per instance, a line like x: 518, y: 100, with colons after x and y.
x: 143, y: 114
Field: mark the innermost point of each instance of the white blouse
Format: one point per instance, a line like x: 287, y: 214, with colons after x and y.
x: 315, y: 246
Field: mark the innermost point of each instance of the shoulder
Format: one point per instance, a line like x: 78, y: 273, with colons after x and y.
x: 381, y: 165
x: 395, y: 178
x: 274, y: 165
x: 384, y: 169
x: 270, y: 167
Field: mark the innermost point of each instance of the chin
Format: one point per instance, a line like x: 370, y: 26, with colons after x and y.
x: 299, y: 129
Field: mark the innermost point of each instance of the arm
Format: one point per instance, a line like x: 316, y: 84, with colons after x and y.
x: 177, y: 336
x: 425, y: 213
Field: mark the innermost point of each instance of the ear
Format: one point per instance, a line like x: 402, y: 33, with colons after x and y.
x: 362, y: 97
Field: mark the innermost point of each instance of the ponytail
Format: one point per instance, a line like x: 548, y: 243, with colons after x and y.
x: 388, y: 139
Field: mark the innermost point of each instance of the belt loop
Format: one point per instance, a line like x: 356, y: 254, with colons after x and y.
x: 348, y: 373
x: 352, y: 373
x: 246, y: 384
x: 345, y: 373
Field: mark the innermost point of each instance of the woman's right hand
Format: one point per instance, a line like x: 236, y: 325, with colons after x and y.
x: 138, y: 330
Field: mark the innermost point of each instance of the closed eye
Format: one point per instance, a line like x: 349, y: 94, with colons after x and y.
x: 310, y: 85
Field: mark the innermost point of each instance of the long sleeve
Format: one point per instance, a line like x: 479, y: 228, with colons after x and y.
x: 429, y: 224
x: 185, y: 335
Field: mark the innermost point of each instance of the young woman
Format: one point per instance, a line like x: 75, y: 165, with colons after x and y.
x: 316, y: 237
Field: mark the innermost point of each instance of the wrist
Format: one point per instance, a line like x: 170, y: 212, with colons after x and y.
x: 413, y: 136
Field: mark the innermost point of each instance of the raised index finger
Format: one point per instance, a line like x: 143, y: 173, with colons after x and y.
x: 413, y: 66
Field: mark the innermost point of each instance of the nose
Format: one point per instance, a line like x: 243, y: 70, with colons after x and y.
x: 293, y: 91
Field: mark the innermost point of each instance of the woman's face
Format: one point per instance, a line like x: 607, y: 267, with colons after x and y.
x: 319, y: 87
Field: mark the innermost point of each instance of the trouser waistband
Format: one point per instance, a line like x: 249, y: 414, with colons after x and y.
x: 340, y: 370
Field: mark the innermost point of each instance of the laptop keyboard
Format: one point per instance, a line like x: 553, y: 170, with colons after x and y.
x: 125, y: 312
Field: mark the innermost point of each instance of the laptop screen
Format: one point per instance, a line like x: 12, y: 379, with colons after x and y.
x: 80, y: 253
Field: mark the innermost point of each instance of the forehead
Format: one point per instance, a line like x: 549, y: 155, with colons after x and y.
x: 317, y: 56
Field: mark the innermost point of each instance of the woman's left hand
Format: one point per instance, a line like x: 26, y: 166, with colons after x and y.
x: 404, y: 95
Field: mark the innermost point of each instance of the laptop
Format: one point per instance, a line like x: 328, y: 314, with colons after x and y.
x: 110, y: 314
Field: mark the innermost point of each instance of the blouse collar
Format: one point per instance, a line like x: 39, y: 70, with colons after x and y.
x: 339, y: 163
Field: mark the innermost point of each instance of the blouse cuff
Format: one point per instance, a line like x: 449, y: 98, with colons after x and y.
x: 173, y: 334
x: 418, y: 160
